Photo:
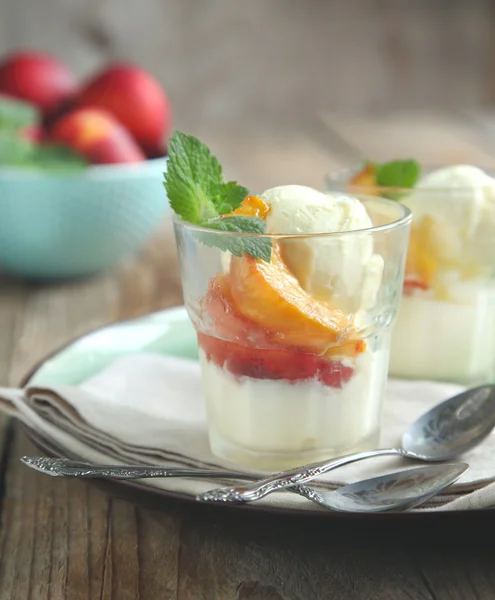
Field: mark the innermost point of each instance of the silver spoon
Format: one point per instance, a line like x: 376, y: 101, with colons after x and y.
x: 396, y: 491
x: 448, y: 430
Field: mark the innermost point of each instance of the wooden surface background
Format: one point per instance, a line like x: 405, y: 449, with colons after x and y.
x: 275, y: 62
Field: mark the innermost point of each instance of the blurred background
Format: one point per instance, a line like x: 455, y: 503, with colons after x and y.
x: 283, y: 91
x: 275, y: 63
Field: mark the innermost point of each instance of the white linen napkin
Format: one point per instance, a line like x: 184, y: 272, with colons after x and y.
x: 148, y: 409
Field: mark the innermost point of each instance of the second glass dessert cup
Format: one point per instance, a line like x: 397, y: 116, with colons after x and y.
x: 445, y: 328
x: 294, y: 352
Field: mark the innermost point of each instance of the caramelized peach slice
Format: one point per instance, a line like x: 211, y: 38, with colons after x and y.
x: 347, y: 350
x: 422, y: 256
x: 227, y: 322
x: 270, y: 295
x: 251, y: 206
x: 364, y: 181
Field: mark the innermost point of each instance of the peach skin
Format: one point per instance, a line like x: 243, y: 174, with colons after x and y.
x: 136, y: 99
x: 37, y: 78
x: 364, y: 181
x: 97, y: 135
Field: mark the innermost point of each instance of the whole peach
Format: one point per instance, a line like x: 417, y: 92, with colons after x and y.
x: 97, y: 135
x: 136, y: 99
x: 37, y: 78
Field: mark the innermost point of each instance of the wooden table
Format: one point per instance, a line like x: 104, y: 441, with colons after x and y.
x: 68, y: 539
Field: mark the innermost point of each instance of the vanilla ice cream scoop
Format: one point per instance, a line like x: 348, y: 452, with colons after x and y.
x: 471, y: 193
x: 339, y: 269
x: 462, y: 200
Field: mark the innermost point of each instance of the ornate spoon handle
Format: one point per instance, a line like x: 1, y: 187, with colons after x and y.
x: 300, y: 475
x: 64, y: 467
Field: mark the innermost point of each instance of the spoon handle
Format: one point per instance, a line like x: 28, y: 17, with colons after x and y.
x: 64, y: 467
x: 299, y: 475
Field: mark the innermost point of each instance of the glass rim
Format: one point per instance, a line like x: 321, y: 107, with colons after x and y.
x: 342, y: 175
x: 404, y: 219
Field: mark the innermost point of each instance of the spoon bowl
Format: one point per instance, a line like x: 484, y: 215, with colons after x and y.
x: 452, y: 427
x: 396, y: 491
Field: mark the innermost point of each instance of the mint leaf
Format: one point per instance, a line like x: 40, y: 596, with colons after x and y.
x: 238, y: 244
x: 230, y: 197
x: 398, y: 173
x: 197, y: 193
x: 193, y: 179
x: 20, y: 152
x: 15, y: 150
x: 58, y: 157
x: 15, y: 114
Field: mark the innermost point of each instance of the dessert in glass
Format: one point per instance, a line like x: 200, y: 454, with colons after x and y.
x: 445, y: 328
x: 294, y: 323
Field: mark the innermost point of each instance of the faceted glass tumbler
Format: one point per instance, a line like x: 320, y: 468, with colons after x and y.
x: 445, y: 328
x: 294, y: 352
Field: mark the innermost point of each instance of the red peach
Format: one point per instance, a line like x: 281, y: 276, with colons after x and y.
x: 97, y: 135
x: 136, y: 99
x: 37, y: 78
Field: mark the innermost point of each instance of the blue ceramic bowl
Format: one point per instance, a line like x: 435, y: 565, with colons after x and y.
x: 68, y: 225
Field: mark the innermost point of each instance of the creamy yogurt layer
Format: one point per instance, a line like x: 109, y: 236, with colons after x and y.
x: 446, y: 340
x: 289, y: 423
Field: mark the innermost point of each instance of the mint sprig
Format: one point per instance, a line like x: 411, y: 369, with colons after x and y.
x: 15, y: 150
x: 231, y: 194
x: 192, y: 179
x: 398, y: 173
x: 238, y: 245
x: 198, y: 194
x: 58, y: 157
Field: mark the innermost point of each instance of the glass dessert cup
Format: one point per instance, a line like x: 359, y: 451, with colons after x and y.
x: 445, y: 328
x: 290, y: 376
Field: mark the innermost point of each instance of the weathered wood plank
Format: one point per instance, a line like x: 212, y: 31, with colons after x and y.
x: 158, y: 550
x: 151, y: 281
x: 17, y: 538
x: 459, y: 574
x: 13, y: 297
x: 293, y: 562
x: 64, y: 539
x: 123, y: 542
x: 44, y: 535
